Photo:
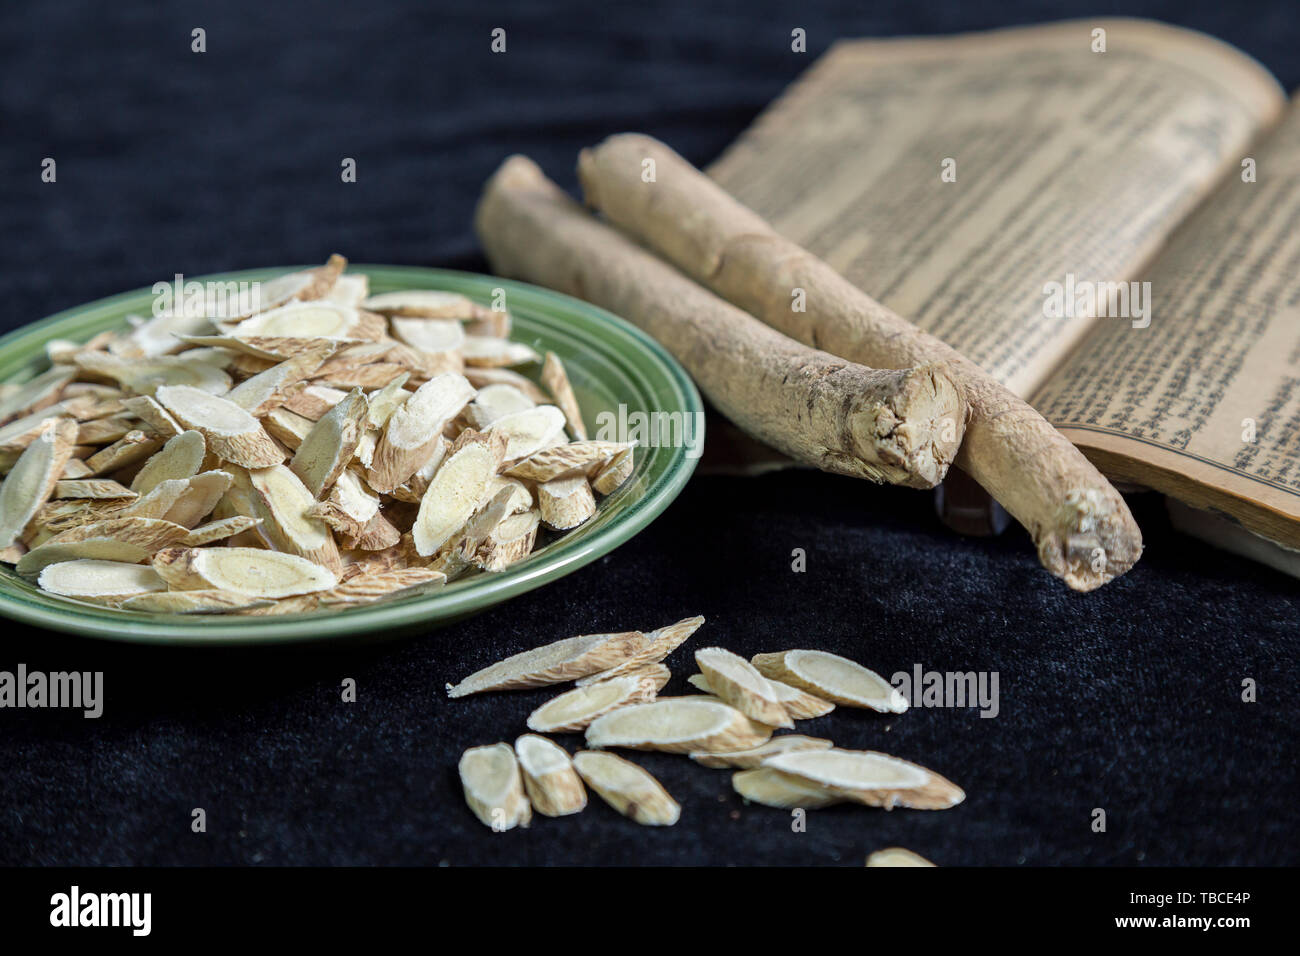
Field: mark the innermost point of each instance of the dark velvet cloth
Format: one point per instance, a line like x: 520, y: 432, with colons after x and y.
x: 1127, y: 699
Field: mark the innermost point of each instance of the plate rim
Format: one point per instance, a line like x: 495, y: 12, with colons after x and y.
x: 366, y: 621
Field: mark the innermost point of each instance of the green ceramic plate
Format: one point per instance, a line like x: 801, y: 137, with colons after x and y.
x: 609, y: 362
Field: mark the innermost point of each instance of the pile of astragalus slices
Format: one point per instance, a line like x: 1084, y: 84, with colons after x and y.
x: 329, y: 449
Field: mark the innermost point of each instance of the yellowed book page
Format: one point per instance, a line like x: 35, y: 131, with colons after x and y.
x: 1066, y: 161
x: 1205, y: 403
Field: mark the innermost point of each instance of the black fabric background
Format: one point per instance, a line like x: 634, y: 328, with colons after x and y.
x: 1126, y: 699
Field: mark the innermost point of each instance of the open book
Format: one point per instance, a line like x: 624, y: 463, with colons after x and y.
x: 1104, y: 214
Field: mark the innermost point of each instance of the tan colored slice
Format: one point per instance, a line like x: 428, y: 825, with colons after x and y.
x: 41, y: 391
x: 799, y: 704
x: 529, y: 431
x: 429, y: 335
x: 302, y: 286
x: 653, y: 677
x: 313, y: 401
x: 554, y: 663
x: 552, y: 784
x: 565, y: 503
x: 105, y: 582
x: 494, y: 787
x: 493, y: 352
x: 76, y: 470
x: 372, y: 586
x: 31, y: 481
x: 181, y: 457
x: 629, y: 789
x: 303, y: 320
x: 735, y: 680
x: 95, y: 488
x: 231, y: 433
x: 457, y: 488
x: 152, y: 414
x: 752, y: 757
x: 509, y: 542
x: 382, y: 402
x: 658, y: 644
x: 194, y: 602
x: 897, y: 856
x: 677, y: 725
x: 415, y: 429
x: 286, y: 427
x: 494, y: 402
x: 328, y: 447
x: 574, y: 459
x: 101, y: 431
x: 132, y: 448
x: 866, y: 776
x: 270, y: 389
x: 183, y: 501
x: 146, y: 376
x: 772, y: 789
x: 833, y: 678
x: 130, y: 540
x: 284, y: 503
x: 250, y: 571
x: 482, y: 377
x: 577, y: 708
x: 219, y: 530
x: 349, y: 290
x: 424, y: 303
x: 556, y: 380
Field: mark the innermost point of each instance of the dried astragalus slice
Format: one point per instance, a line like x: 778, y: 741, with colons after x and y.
x: 425, y: 303
x: 554, y: 663
x: 303, y: 286
x: 456, y: 489
x: 96, y: 488
x: 31, y: 481
x: 677, y: 725
x: 429, y: 335
x: 652, y: 676
x: 658, y: 644
x: 183, y: 501
x: 105, y: 582
x: 773, y: 789
x: 415, y: 429
x: 565, y: 503
x: 231, y: 433
x: 284, y: 504
x: 529, y: 431
x: 371, y: 586
x: 496, y: 401
x: 493, y: 352
x: 194, y: 602
x: 41, y: 391
x: 152, y: 414
x: 146, y: 376
x: 286, y: 427
x: 628, y: 788
x: 799, y: 704
x: 556, y: 380
x: 483, y: 377
x: 494, y: 788
x: 752, y: 757
x: 257, y: 573
x: 130, y: 540
x: 509, y: 542
x: 866, y: 776
x: 303, y: 320
x: 270, y: 389
x: 897, y: 856
x: 181, y: 457
x: 833, y: 678
x: 575, y: 459
x: 735, y: 680
x: 132, y: 448
x: 577, y: 708
x: 328, y: 448
x: 220, y: 529
x: 553, y: 786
